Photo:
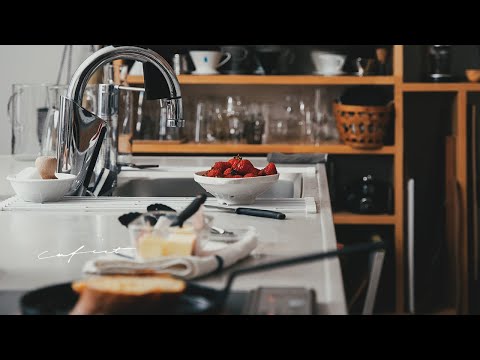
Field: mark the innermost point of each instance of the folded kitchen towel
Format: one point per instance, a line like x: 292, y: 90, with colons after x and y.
x: 279, y: 158
x: 215, y: 257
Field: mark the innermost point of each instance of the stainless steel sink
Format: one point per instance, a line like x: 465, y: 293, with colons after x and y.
x: 288, y: 186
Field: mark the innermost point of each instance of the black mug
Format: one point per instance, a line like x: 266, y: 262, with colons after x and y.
x: 241, y: 61
x: 274, y: 59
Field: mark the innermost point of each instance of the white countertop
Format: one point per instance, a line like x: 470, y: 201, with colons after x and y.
x: 24, y: 235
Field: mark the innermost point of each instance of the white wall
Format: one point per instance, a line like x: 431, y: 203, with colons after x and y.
x: 32, y: 64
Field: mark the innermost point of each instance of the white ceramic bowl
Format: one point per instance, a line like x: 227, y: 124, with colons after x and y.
x: 39, y: 190
x: 241, y: 191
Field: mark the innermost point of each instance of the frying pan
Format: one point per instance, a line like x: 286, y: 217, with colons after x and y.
x: 196, y: 300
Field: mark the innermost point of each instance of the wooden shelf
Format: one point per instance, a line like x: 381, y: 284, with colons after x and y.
x: 440, y: 87
x: 152, y: 146
x: 346, y: 218
x: 275, y: 80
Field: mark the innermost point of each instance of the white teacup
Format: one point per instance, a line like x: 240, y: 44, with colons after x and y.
x: 207, y: 62
x: 328, y: 63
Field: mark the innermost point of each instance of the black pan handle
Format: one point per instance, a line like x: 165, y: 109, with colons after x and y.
x: 189, y: 210
x: 354, y: 249
x: 261, y: 213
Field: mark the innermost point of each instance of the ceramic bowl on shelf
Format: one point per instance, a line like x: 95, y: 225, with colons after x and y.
x: 473, y: 75
x: 37, y: 190
x: 232, y: 191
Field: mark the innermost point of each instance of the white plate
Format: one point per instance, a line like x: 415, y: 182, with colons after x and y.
x: 202, y: 73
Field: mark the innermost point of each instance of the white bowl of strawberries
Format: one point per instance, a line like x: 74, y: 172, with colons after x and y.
x: 237, y: 181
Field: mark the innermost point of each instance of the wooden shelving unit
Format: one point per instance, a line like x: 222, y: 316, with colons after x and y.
x: 342, y: 218
x: 400, y: 88
x: 440, y: 87
x: 345, y: 218
x: 275, y: 80
x: 152, y: 146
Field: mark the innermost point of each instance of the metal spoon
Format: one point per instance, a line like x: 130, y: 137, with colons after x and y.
x: 220, y: 231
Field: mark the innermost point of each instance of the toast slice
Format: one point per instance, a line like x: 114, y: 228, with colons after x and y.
x: 131, y: 285
x: 123, y: 294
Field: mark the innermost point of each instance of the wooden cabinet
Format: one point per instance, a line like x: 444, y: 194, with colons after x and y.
x: 395, y: 151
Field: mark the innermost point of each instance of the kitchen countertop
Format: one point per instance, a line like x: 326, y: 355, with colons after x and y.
x: 27, y: 234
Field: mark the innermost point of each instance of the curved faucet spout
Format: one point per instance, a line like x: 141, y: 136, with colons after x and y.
x: 95, y: 61
x: 83, y: 137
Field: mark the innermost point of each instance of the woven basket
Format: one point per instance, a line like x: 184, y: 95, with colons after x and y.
x: 362, y: 127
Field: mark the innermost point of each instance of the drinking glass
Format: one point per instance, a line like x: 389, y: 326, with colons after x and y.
x: 255, y: 124
x: 219, y: 120
x: 126, y: 116
x: 50, y: 129
x: 204, y: 132
x: 325, y: 128
x: 235, y: 114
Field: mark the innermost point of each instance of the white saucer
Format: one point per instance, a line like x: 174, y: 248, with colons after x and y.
x: 204, y: 73
x: 329, y: 74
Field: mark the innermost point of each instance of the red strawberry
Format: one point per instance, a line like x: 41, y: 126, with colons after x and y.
x: 235, y: 160
x: 261, y: 173
x: 270, y: 169
x: 222, y: 166
x: 250, y: 175
x: 237, y: 176
x: 214, y: 173
x: 244, y: 167
x: 229, y: 172
x: 255, y: 171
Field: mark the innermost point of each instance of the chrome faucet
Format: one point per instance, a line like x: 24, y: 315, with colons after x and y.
x: 84, y: 137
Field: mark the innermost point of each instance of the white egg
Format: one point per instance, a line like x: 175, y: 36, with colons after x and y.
x: 46, y: 166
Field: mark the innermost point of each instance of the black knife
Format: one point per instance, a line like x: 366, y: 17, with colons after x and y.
x: 251, y: 212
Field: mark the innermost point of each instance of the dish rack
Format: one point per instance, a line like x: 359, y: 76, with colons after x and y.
x: 305, y: 205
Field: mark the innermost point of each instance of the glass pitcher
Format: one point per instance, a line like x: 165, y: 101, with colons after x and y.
x: 27, y: 110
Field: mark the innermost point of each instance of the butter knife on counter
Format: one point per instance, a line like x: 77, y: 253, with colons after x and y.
x: 251, y: 212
